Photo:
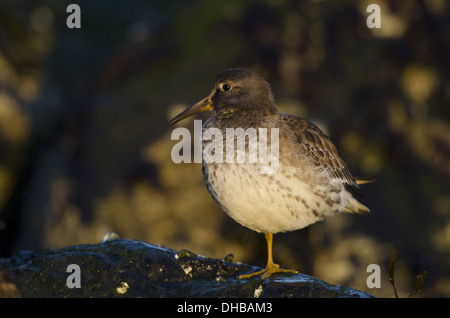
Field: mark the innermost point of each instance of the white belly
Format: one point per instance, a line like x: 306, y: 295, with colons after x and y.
x: 273, y: 203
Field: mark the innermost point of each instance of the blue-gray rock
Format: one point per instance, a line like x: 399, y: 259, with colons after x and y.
x: 130, y: 268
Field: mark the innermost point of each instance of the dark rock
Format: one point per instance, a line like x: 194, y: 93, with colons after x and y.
x: 129, y: 268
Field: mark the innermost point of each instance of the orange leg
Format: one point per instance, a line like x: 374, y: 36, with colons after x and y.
x: 271, y: 267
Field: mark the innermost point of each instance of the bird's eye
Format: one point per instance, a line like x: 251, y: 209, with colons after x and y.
x: 226, y: 87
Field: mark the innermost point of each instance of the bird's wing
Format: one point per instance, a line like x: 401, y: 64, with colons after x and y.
x: 321, y: 150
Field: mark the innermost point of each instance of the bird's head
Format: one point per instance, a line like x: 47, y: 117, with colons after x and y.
x: 234, y: 90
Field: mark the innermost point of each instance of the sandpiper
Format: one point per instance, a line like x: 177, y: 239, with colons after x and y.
x: 311, y: 182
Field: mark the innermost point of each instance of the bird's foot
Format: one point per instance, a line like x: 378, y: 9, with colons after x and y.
x: 269, y: 271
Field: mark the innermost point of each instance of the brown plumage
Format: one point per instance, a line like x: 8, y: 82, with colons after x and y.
x: 321, y: 149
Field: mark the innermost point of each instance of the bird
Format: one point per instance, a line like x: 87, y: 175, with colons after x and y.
x: 309, y: 181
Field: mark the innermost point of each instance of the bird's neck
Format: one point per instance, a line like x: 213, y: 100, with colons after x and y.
x: 237, y: 117
x: 243, y: 111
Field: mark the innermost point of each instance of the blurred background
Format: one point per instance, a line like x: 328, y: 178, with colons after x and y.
x: 85, y: 141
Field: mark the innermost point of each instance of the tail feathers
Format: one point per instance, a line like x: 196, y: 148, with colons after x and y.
x: 363, y: 180
x: 353, y: 206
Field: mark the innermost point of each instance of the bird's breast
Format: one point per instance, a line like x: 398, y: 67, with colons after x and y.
x: 273, y: 203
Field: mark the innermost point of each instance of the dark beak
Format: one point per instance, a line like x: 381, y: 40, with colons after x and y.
x: 201, y: 106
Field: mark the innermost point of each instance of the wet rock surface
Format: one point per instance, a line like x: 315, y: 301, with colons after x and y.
x: 130, y: 268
